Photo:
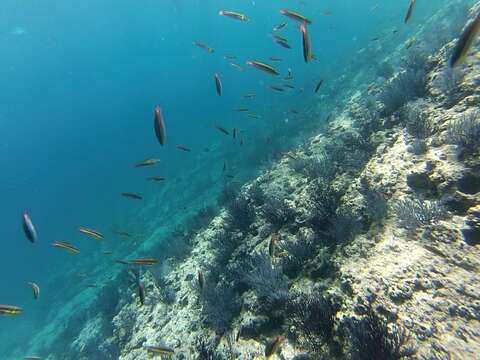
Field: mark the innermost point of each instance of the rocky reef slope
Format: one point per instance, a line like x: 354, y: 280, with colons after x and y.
x: 361, y: 243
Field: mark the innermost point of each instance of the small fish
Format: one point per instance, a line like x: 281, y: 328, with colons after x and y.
x: 239, y: 332
x: 464, y: 43
x: 375, y: 39
x: 271, y: 245
x: 224, y: 166
x: 307, y: 51
x: 319, y: 85
x: 183, y: 148
x: 249, y: 96
x: 218, y: 84
x: 203, y: 46
x: 273, y: 58
x: 295, y: 16
x: 263, y: 67
x: 35, y: 289
x: 156, y: 178
x: 283, y: 44
x: 132, y: 196
x: 288, y: 78
x: 201, y: 280
x: 141, y: 293
x: 107, y: 253
x: 147, y: 162
x: 233, y: 15
x: 229, y: 176
x: 291, y: 156
x: 28, y: 227
x: 82, y: 275
x: 123, y: 262
x: 32, y: 358
x: 279, y: 26
x: 253, y: 116
x: 234, y: 133
x: 293, y: 111
x: 230, y: 57
x: 10, y: 310
x: 145, y: 261
x: 242, y: 110
x: 411, y: 6
x: 288, y: 86
x: 221, y: 129
x: 279, y: 38
x: 273, y: 347
x: 160, y: 350
x: 236, y: 67
x: 122, y: 233
x: 326, y: 13
x: 159, y: 125
x: 92, y: 286
x: 66, y: 246
x: 92, y: 233
x: 277, y: 88
x: 241, y: 142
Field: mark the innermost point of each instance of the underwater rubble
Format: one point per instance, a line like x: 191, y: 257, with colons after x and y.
x: 362, y: 244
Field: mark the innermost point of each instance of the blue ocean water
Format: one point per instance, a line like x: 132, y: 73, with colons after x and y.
x: 80, y: 81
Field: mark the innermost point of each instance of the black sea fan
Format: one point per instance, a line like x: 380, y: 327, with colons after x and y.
x: 414, y: 213
x: 372, y: 339
x: 219, y: 305
x: 242, y: 212
x: 408, y: 85
x: 311, y: 318
x: 267, y: 280
x: 207, y: 350
x: 465, y: 132
x: 277, y: 211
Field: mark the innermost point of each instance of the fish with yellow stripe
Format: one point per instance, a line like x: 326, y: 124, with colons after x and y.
x: 92, y: 233
x: 233, y: 15
x: 66, y: 246
x: 160, y: 350
x: 10, y: 310
x: 144, y: 261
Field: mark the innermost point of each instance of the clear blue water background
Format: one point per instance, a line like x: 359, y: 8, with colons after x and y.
x: 79, y: 81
